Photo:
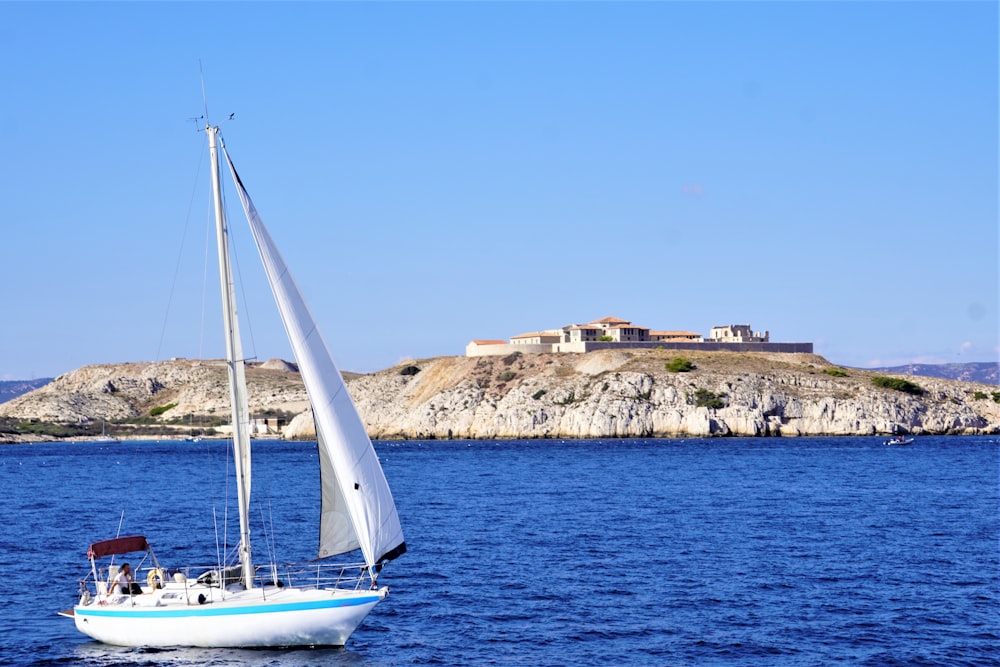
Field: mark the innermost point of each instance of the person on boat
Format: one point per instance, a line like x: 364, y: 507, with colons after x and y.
x: 123, y: 582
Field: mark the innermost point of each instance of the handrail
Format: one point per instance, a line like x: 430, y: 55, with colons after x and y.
x: 344, y: 576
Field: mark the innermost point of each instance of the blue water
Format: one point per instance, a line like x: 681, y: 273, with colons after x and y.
x: 812, y: 551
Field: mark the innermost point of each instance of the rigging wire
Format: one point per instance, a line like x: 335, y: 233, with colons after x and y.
x: 212, y: 457
x: 127, y: 491
x: 239, y: 281
x: 180, y: 255
x: 268, y: 531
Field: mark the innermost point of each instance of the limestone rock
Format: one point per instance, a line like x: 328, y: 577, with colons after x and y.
x: 608, y: 393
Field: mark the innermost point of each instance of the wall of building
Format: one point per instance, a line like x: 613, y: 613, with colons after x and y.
x: 581, y: 347
x: 738, y: 333
x: 796, y: 348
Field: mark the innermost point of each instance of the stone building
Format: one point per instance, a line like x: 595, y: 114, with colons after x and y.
x: 610, y: 332
x: 737, y: 333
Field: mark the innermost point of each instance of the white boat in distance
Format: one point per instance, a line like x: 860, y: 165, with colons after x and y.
x: 104, y: 438
x: 263, y: 606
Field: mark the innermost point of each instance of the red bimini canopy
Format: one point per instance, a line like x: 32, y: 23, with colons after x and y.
x: 119, y: 545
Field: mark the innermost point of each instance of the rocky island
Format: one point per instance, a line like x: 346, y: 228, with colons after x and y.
x: 606, y: 393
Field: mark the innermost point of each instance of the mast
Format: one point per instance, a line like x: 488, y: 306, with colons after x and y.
x: 235, y: 365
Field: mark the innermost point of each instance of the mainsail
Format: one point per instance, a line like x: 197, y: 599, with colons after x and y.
x: 357, y: 506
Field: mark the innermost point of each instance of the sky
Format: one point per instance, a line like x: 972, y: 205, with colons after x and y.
x: 441, y: 172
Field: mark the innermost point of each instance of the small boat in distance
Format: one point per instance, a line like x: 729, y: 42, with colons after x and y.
x: 899, y: 440
x: 239, y: 603
x: 104, y: 438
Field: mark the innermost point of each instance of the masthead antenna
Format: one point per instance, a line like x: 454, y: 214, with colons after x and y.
x: 204, y: 98
x: 204, y: 95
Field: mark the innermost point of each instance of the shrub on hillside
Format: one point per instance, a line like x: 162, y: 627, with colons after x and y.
x: 704, y: 398
x: 898, y: 384
x: 157, y: 411
x: 679, y: 365
x: 409, y: 370
x: 566, y: 401
x: 511, y: 358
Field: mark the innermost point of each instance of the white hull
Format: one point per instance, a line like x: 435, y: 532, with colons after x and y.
x: 256, y: 618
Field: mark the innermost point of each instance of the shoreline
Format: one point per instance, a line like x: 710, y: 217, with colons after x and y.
x: 402, y: 439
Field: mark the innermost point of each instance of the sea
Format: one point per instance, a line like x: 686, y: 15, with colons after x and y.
x: 702, y: 552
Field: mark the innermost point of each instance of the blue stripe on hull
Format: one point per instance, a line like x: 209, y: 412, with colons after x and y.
x: 235, y: 610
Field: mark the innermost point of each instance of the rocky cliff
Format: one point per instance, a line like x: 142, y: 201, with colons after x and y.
x: 627, y: 393
x: 197, y: 392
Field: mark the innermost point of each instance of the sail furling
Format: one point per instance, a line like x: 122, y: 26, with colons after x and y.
x: 357, y: 505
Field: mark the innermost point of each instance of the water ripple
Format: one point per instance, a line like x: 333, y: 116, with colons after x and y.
x: 793, y: 553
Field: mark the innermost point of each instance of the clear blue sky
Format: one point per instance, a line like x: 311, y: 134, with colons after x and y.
x: 440, y: 172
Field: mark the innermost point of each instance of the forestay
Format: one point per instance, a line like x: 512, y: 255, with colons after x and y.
x: 357, y: 505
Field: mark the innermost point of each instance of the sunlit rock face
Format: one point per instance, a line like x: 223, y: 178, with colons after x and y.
x: 610, y: 393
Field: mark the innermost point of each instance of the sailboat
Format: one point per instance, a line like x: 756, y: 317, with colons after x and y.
x: 251, y: 605
x: 104, y: 438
